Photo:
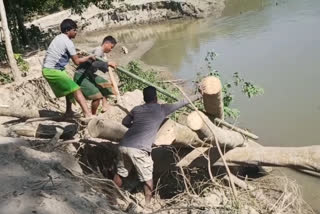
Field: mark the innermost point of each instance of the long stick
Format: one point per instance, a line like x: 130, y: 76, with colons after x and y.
x: 115, y: 86
x: 234, y: 128
x: 161, y: 90
x: 123, y: 70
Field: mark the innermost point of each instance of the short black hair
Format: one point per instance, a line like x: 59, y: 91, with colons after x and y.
x: 109, y: 39
x: 67, y: 25
x: 149, y: 94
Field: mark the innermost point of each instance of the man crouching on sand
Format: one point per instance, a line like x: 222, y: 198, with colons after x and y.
x: 93, y: 86
x: 135, y: 147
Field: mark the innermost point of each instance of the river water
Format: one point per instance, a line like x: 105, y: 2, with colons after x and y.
x: 274, y: 44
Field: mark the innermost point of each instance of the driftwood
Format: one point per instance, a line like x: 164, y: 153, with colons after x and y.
x: 172, y: 133
x: 10, y: 140
x: 212, y: 96
x: 17, y: 111
x: 106, y: 129
x: 301, y: 158
x: 40, y: 130
x: 228, y: 138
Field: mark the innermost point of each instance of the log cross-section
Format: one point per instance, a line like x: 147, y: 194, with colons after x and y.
x: 225, y: 137
x: 212, y: 96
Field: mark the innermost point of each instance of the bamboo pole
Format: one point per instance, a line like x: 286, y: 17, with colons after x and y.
x: 123, y: 70
x: 115, y: 86
x: 161, y: 90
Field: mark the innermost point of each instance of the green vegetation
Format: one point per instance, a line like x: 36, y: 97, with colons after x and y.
x: 130, y: 84
x: 247, y: 87
x: 5, y: 78
x: 22, y: 64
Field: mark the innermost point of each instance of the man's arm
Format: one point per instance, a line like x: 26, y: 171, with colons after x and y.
x: 102, y: 65
x: 73, y: 53
x: 169, y: 108
x: 77, y: 60
x: 127, y: 120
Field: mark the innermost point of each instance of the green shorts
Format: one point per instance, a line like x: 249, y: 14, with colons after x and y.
x: 60, y: 82
x: 137, y: 158
x: 93, y: 86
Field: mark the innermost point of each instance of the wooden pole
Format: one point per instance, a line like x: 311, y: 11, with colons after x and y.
x: 161, y: 90
x: 212, y: 96
x: 220, y: 122
x: 115, y: 86
x: 13, y: 64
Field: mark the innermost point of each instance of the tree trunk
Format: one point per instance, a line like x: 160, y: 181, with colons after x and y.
x: 13, y: 64
x: 228, y: 138
x: 106, y: 129
x: 301, y: 158
x: 22, y: 29
x: 212, y: 96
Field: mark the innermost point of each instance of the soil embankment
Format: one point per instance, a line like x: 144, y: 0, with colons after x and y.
x: 131, y: 12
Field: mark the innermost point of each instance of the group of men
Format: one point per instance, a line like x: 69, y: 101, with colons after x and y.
x: 143, y: 121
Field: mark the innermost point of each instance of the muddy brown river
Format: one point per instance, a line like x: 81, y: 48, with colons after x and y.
x: 276, y: 44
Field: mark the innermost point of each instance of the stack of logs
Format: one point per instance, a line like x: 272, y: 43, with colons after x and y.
x: 197, y: 133
x: 200, y: 131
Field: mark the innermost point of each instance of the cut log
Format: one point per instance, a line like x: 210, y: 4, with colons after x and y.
x: 301, y: 158
x: 228, y: 138
x: 185, y: 136
x: 172, y: 133
x: 166, y: 133
x: 212, y: 96
x: 40, y: 130
x: 118, y: 112
x: 106, y: 129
